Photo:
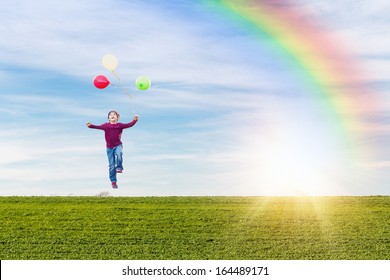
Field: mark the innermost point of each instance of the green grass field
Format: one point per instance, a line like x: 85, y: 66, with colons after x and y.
x: 280, y: 228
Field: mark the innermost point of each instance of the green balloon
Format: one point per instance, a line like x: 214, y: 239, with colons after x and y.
x: 143, y: 83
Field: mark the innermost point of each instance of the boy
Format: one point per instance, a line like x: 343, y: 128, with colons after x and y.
x: 113, y: 132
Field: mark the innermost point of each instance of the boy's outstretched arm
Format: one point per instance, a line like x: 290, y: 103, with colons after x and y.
x: 133, y: 122
x: 94, y: 126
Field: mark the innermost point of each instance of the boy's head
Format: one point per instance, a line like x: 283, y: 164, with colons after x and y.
x: 113, y: 116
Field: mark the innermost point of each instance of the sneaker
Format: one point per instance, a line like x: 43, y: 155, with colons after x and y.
x: 118, y: 171
x: 114, y: 185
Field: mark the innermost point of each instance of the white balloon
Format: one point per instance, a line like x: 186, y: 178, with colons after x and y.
x: 110, y: 62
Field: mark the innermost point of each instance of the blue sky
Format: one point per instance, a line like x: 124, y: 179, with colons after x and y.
x: 224, y: 115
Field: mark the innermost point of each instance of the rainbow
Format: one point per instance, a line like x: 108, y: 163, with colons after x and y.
x: 315, y: 57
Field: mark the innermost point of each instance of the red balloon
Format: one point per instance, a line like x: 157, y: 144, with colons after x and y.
x: 101, y: 81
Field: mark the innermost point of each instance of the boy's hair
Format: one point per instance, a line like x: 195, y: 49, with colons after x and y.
x: 117, y: 114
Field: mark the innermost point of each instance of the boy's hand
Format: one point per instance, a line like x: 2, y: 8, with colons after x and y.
x: 136, y: 117
x: 88, y: 124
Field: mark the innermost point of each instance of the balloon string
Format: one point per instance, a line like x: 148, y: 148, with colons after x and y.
x: 116, y: 75
x: 124, y: 90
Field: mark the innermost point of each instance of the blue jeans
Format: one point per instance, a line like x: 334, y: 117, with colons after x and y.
x: 115, y: 159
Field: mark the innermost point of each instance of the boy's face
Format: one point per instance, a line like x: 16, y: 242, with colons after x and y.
x: 112, y: 117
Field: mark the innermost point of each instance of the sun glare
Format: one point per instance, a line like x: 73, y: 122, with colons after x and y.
x: 295, y: 161
x: 297, y: 168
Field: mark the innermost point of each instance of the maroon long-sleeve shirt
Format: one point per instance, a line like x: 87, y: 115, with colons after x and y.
x: 113, y: 132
